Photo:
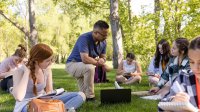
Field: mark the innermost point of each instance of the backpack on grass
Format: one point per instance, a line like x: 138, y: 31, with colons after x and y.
x: 100, y: 75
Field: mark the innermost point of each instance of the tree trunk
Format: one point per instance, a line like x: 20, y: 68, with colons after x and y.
x: 32, y: 35
x: 177, y: 21
x: 116, y: 34
x: 33, y: 31
x: 157, y: 18
x: 129, y: 12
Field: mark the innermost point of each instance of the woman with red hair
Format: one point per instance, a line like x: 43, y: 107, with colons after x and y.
x: 35, y: 79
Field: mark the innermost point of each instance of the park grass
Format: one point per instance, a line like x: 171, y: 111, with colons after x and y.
x: 62, y: 79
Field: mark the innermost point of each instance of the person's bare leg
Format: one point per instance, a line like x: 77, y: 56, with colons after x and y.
x: 153, y: 80
x: 133, y: 79
x: 120, y: 78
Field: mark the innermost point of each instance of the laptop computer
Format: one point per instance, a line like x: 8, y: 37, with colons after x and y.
x: 115, y: 95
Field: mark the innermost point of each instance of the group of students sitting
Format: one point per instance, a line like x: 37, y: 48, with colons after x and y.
x: 178, y: 62
x: 181, y: 64
x: 34, y: 77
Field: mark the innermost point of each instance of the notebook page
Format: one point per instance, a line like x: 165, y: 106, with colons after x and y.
x: 152, y: 97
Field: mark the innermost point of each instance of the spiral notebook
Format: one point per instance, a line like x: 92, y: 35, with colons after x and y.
x: 177, y: 106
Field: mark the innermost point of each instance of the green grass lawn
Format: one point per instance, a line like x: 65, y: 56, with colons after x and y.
x: 62, y: 79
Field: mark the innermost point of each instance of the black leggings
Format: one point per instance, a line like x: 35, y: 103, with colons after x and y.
x: 6, y: 83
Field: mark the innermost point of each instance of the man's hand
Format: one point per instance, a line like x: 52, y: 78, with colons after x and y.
x: 101, y: 61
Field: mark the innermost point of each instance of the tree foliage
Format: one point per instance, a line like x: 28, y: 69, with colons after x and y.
x: 60, y: 22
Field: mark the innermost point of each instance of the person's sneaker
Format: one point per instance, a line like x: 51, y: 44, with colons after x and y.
x: 90, y: 99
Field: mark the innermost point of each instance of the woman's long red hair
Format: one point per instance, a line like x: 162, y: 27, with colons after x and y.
x: 38, y: 53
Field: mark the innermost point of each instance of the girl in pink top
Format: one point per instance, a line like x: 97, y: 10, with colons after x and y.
x: 8, y: 65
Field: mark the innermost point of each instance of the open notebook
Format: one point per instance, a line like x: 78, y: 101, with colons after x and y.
x: 47, y: 96
x: 140, y: 93
x: 177, y: 106
x: 152, y: 97
x: 54, y: 93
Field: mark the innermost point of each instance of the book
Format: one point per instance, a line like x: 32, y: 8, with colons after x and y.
x: 128, y: 74
x: 55, y: 92
x: 150, y: 73
x: 152, y: 97
x: 177, y: 106
x: 140, y: 93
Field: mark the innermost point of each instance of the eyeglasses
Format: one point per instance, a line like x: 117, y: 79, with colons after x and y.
x: 102, y: 34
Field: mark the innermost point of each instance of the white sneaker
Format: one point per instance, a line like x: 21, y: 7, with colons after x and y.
x: 117, y: 86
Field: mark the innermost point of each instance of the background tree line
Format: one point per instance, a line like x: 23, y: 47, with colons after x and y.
x: 58, y: 23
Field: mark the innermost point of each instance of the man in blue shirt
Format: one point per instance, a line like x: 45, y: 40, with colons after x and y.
x: 88, y: 52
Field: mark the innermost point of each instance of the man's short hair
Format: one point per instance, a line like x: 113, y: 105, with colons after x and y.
x: 100, y: 24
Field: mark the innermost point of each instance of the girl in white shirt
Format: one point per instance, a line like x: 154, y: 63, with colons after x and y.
x: 129, y: 70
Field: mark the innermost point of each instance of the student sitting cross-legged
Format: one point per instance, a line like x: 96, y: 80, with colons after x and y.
x: 129, y: 70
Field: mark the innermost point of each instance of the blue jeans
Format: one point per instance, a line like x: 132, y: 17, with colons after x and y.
x: 70, y: 99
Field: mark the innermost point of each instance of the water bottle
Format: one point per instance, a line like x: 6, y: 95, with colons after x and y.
x: 71, y: 110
